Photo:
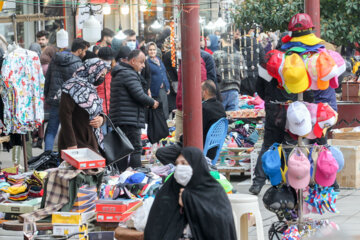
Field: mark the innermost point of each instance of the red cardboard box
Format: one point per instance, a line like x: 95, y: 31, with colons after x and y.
x: 83, y: 158
x: 113, y: 217
x: 116, y: 206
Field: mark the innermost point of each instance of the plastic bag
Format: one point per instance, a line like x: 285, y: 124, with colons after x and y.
x: 140, y: 217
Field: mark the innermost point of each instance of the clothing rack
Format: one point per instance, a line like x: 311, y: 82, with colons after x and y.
x: 14, y: 19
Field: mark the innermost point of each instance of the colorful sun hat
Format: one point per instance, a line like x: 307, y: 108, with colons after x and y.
x: 295, y: 75
x: 326, y: 68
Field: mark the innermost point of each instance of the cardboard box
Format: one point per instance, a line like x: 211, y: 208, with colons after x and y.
x: 115, y: 206
x: 72, y: 218
x: 349, y: 176
x: 101, y: 235
x: 83, y: 158
x: 113, y: 217
x: 116, y: 216
x: 70, y: 229
x: 346, y: 134
x: 351, y: 92
x: 23, y: 207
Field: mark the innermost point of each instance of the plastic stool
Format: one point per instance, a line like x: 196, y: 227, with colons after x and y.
x: 242, y: 204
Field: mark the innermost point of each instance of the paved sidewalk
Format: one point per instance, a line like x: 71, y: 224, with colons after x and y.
x: 348, y: 204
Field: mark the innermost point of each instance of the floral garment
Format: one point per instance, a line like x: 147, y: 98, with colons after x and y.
x: 22, y: 91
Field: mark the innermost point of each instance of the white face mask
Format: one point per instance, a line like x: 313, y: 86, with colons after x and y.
x: 183, y: 174
x: 131, y: 45
x: 208, y: 43
x: 178, y: 54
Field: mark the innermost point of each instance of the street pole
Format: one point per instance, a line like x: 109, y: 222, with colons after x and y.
x: 312, y: 7
x: 190, y: 72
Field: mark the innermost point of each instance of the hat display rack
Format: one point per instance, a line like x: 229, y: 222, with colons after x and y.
x: 303, y: 64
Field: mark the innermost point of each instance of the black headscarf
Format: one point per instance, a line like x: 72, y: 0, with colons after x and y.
x: 206, y: 209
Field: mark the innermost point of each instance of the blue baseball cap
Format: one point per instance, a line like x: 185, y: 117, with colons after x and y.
x: 271, y: 163
x: 338, y: 155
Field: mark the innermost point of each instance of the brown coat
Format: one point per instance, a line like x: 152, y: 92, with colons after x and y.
x: 75, y: 127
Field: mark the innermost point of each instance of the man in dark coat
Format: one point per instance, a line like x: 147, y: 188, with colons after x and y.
x: 61, y: 69
x: 128, y: 101
x: 212, y: 110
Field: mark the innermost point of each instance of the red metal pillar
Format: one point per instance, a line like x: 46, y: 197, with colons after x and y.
x: 190, y: 72
x: 312, y: 7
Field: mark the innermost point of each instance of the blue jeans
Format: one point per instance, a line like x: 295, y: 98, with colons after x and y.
x: 230, y: 100
x: 52, y: 128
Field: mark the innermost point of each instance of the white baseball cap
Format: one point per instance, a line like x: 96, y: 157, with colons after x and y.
x: 299, y: 119
x: 62, y: 39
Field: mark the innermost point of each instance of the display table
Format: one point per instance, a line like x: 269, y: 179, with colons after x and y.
x: 349, y: 114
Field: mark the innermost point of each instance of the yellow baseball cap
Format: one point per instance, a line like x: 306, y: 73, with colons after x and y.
x: 309, y: 39
x: 295, y: 74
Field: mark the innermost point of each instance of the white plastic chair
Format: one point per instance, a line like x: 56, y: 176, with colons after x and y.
x: 242, y: 204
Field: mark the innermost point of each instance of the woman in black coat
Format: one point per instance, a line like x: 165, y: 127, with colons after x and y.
x: 191, y: 199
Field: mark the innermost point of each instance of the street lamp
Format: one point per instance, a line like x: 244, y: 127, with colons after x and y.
x: 159, y: 9
x: 106, y: 9
x: 91, y: 28
x: 125, y: 9
x: 120, y: 35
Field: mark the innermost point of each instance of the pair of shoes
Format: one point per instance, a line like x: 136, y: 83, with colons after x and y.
x: 256, y: 188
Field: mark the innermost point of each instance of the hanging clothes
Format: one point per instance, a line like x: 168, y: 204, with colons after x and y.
x: 22, y: 87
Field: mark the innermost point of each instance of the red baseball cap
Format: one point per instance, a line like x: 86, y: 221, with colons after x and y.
x: 275, y: 62
x: 300, y: 21
x: 326, y: 117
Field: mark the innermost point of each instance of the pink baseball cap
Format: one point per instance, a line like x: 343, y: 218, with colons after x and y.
x: 298, y: 173
x: 326, y: 168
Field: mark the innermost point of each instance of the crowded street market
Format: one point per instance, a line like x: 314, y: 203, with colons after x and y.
x: 179, y: 119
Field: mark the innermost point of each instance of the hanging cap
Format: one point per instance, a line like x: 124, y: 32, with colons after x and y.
x: 62, y: 39
x: 310, y: 63
x: 295, y: 74
x: 271, y: 163
x: 298, y: 170
x: 299, y: 119
x: 326, y: 169
x: 326, y: 117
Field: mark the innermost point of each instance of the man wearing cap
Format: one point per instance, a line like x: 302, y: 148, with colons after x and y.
x: 61, y: 69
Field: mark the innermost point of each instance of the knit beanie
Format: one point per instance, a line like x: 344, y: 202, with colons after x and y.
x: 116, y: 44
x: 106, y: 53
x: 123, y: 53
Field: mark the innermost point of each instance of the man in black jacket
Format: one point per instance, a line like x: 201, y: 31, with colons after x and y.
x: 61, y: 68
x: 212, y: 110
x: 128, y: 101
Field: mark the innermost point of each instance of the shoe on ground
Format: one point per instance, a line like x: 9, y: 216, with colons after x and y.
x: 255, y: 189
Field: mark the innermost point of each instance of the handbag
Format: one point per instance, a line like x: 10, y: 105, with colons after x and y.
x: 116, y: 145
x: 157, y: 126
